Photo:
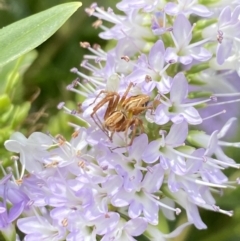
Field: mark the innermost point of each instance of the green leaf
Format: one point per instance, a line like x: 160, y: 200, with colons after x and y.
x: 24, y: 35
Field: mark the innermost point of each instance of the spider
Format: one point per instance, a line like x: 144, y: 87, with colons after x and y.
x: 121, y: 113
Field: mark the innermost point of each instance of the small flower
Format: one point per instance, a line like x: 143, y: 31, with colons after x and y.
x: 146, y: 5
x: 159, y: 23
x: 176, y: 109
x: 33, y: 148
x: 163, y: 148
x: 187, y: 7
x: 141, y: 200
x: 39, y: 228
x: 10, y: 195
x: 228, y: 31
x: 184, y: 52
x: 127, y: 230
x: 152, y: 67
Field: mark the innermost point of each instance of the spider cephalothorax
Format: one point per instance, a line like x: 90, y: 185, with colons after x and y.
x: 121, y: 113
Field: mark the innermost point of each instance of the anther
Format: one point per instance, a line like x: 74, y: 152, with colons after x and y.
x: 96, y: 46
x: 85, y: 45
x: 97, y: 23
x: 213, y: 98
x: 75, y: 134
x: 126, y: 58
x: 171, y: 61
x: 75, y: 82
x: 148, y: 78
x: 178, y: 211
x: 74, y: 70
x: 64, y: 222
x: 90, y: 11
x: 238, y: 181
x: 14, y: 158
x: 73, y: 112
x: 60, y: 105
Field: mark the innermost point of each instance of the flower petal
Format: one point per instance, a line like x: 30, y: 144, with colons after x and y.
x: 136, y: 226
x: 182, y: 30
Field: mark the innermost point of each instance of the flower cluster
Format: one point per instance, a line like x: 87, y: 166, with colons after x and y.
x: 155, y: 112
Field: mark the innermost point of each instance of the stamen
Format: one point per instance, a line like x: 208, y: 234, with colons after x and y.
x: 96, y: 50
x: 88, y: 88
x: 174, y: 40
x: 227, y: 94
x: 214, y: 115
x: 88, y: 78
x: 190, y: 32
x: 61, y: 105
x: 108, y: 16
x: 225, y: 102
x: 208, y: 184
x: 163, y: 133
x: 69, y: 87
x: 210, y: 159
x: 187, y: 156
x: 104, y: 28
x: 233, y: 144
x: 2, y: 169
x: 85, y: 64
x: 167, y: 102
x: 141, y: 168
x: 165, y: 68
x: 217, y: 209
x: 93, y: 57
x: 176, y: 210
x: 196, y: 103
x: 199, y: 43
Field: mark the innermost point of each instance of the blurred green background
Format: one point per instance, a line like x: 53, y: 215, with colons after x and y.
x: 50, y: 72
x: 50, y: 75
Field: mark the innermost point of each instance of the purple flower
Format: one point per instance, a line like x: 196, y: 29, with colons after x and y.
x: 149, y: 70
x: 146, y: 5
x: 213, y: 144
x: 31, y: 150
x: 39, y: 228
x: 11, y: 196
x: 184, y: 52
x: 163, y: 148
x: 127, y: 230
x: 141, y: 199
x: 176, y: 109
x: 187, y: 7
x: 159, y: 23
x: 228, y: 31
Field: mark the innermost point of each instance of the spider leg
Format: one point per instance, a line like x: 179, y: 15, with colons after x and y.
x: 108, y: 99
x: 125, y: 94
x: 133, y: 122
x: 112, y: 105
x: 136, y: 123
x: 98, y: 122
x: 103, y: 92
